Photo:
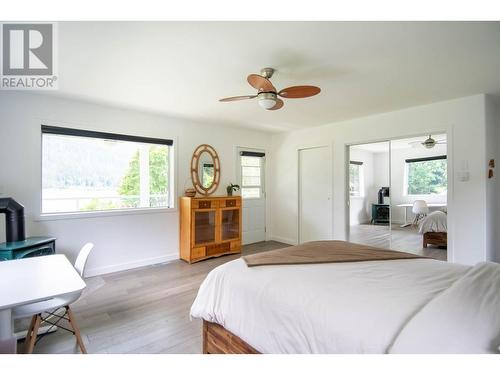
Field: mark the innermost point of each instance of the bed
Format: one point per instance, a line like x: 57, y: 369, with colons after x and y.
x: 434, y: 229
x: 386, y: 306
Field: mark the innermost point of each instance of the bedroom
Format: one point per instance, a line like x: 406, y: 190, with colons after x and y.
x: 133, y: 189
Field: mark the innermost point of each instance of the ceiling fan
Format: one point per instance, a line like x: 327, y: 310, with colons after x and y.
x: 429, y: 142
x: 268, y: 96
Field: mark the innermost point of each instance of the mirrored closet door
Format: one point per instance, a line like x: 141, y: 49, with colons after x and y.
x: 369, y: 194
x: 419, y: 187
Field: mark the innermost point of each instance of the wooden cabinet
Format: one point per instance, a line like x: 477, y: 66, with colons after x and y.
x: 209, y: 227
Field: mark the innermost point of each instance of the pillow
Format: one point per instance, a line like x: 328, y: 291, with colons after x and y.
x: 465, y: 318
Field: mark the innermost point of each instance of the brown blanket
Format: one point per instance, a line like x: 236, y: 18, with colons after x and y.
x: 324, y: 252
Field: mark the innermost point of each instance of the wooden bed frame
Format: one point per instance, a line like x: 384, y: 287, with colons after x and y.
x: 218, y: 340
x: 435, y: 238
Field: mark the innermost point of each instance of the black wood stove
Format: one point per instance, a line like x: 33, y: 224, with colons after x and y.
x: 380, y: 211
x: 17, y: 246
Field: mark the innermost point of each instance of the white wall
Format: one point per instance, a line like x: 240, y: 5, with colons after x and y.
x: 463, y: 120
x: 492, y: 150
x: 122, y: 241
x: 360, y: 208
x: 381, y: 173
x: 496, y: 137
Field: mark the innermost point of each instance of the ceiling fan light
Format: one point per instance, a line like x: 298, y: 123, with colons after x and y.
x: 267, y: 100
x: 267, y: 103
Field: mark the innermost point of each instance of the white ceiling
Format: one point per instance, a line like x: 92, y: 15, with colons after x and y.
x: 183, y: 68
x: 400, y: 144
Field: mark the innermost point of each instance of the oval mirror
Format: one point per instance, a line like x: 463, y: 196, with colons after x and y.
x: 205, y: 169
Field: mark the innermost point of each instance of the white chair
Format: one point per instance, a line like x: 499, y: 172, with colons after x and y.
x: 420, y: 210
x: 50, y: 307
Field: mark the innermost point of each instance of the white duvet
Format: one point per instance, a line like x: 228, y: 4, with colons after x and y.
x: 434, y: 222
x: 356, y: 307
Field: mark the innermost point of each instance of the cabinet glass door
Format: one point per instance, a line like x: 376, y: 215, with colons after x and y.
x: 230, y: 228
x: 204, y: 227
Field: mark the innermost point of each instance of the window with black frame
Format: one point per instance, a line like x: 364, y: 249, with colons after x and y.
x: 426, y: 176
x: 95, y: 171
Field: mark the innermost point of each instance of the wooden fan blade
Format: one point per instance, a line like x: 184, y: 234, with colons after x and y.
x: 234, y: 98
x: 278, y: 105
x: 260, y: 83
x: 296, y: 92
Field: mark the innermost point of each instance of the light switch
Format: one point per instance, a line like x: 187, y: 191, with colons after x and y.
x: 463, y: 176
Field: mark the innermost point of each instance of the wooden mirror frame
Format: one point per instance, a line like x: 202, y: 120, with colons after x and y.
x: 195, y: 165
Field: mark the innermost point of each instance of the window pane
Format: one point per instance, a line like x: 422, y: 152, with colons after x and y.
x: 250, y: 161
x: 354, y: 185
x: 250, y: 192
x: 251, y: 177
x: 250, y: 171
x: 204, y: 227
x: 251, y: 181
x: 92, y: 174
x: 230, y: 224
x: 427, y: 177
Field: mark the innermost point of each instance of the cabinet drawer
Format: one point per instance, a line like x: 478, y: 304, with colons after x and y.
x: 218, y: 248
x: 198, y: 252
x: 235, y: 245
x: 236, y: 202
x: 205, y: 203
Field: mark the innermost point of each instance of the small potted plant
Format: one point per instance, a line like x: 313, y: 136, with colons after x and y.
x: 230, y: 188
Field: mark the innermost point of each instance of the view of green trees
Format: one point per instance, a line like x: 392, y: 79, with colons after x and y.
x: 427, y: 177
x: 158, y: 175
x: 91, y: 174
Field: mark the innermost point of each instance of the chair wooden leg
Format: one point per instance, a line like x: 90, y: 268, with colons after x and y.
x: 29, y: 333
x: 32, y: 333
x: 78, y: 336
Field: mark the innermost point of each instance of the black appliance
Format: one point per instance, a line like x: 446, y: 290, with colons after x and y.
x: 14, y: 219
x: 381, y: 211
x: 380, y: 214
x: 383, y: 192
x: 17, y: 245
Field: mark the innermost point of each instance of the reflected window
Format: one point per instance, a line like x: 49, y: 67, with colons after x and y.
x: 426, y: 176
x: 356, y: 179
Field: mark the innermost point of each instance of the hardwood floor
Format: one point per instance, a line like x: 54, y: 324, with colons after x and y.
x: 146, y: 310
x: 403, y: 239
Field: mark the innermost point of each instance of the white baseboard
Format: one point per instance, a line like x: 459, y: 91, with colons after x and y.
x: 131, y: 265
x: 288, y: 241
x: 399, y: 222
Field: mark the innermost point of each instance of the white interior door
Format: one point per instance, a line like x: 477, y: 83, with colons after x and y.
x: 251, y: 179
x: 315, y: 209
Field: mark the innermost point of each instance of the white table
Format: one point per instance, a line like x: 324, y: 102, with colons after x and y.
x: 406, y: 205
x: 24, y: 281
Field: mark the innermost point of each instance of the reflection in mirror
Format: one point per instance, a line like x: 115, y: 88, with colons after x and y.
x: 206, y: 169
x: 369, y: 194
